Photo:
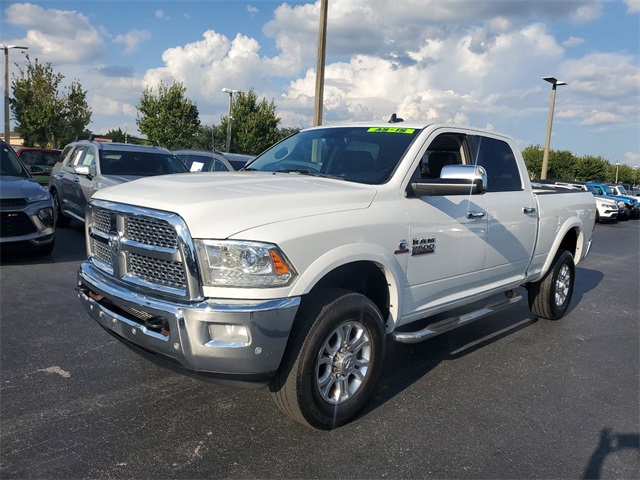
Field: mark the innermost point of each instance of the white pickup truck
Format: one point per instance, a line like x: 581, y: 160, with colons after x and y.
x: 296, y: 272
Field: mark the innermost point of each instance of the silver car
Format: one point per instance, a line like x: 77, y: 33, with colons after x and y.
x: 88, y: 166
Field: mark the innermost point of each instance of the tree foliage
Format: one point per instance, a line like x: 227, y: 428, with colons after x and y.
x: 254, y: 125
x: 46, y: 113
x: 168, y: 117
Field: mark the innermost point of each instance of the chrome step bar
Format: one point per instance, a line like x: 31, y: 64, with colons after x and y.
x: 454, y: 322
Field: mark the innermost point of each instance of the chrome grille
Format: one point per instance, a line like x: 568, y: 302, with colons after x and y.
x: 147, y: 249
x: 102, y: 252
x: 102, y: 220
x: 154, y: 270
x: 150, y: 232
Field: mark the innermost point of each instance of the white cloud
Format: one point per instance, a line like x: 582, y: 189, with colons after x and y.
x: 633, y: 6
x: 252, y: 10
x: 59, y: 36
x: 573, y: 42
x: 633, y: 158
x: 132, y: 40
x: 160, y: 14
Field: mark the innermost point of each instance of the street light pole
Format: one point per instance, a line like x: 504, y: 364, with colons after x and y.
x: 545, y: 158
x: 229, y: 118
x: 617, y: 167
x: 6, y: 88
x: 322, y: 52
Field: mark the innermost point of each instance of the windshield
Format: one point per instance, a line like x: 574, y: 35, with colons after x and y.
x: 356, y: 154
x: 609, y: 190
x: 10, y: 165
x: 622, y: 190
x: 592, y: 189
x: 116, y: 162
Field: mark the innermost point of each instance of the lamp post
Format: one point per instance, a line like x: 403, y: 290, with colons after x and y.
x: 322, y: 52
x: 545, y: 158
x: 6, y: 88
x: 229, y: 118
x: 617, y: 169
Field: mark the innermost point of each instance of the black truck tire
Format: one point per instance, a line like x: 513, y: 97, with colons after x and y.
x: 550, y: 297
x: 334, y: 359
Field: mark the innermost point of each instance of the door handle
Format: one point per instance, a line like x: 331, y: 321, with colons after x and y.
x: 528, y: 210
x: 477, y: 214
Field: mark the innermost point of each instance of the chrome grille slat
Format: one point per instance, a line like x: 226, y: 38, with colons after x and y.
x: 153, y: 270
x: 102, y: 221
x: 150, y: 231
x: 102, y: 251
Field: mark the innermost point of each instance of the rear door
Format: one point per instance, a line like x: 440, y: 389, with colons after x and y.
x: 512, y: 212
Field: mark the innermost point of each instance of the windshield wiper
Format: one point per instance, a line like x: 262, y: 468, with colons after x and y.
x: 311, y: 173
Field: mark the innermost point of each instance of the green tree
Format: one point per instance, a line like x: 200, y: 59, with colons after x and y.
x: 254, y: 126
x: 593, y: 168
x: 561, y: 165
x: 117, y: 135
x: 168, y: 118
x: 46, y: 113
x: 533, y: 160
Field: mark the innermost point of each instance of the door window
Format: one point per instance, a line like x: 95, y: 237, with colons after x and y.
x: 499, y: 161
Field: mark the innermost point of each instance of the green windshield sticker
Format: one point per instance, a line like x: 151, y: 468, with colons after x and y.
x: 391, y: 130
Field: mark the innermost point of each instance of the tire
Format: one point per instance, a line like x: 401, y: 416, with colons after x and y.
x: 61, y: 220
x: 598, y: 220
x: 550, y: 297
x: 331, y: 367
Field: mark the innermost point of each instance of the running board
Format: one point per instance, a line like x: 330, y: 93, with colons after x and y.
x: 455, y: 322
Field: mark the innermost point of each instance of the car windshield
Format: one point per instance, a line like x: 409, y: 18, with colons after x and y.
x: 10, y: 165
x: 40, y: 157
x: 116, y: 162
x: 609, y: 190
x: 592, y: 189
x: 622, y: 190
x: 356, y: 154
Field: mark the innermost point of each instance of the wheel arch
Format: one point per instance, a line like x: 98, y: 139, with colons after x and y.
x: 373, y: 274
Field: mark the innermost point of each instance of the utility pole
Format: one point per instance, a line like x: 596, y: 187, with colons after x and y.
x: 322, y: 51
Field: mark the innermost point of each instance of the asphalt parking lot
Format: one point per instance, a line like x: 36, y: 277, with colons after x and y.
x: 506, y: 397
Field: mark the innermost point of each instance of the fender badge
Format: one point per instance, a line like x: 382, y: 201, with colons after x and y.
x: 403, y: 247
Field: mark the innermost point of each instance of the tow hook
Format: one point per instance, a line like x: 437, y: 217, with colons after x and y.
x: 158, y: 324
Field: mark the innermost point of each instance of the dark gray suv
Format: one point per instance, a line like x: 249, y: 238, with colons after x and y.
x: 88, y: 166
x: 26, y: 208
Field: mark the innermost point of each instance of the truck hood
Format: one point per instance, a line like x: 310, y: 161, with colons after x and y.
x: 20, y: 187
x: 219, y: 205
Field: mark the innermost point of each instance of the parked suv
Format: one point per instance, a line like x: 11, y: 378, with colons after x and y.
x: 26, y: 208
x: 607, y: 209
x: 630, y: 202
x: 87, y: 166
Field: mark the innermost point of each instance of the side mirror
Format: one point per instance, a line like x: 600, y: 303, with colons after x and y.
x: 84, y: 170
x: 454, y: 180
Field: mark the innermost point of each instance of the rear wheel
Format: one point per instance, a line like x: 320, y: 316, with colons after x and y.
x: 550, y: 297
x: 331, y: 368
x: 61, y: 220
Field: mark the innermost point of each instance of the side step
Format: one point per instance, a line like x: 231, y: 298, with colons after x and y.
x: 454, y: 322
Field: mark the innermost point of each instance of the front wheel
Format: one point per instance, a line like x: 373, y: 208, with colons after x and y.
x: 61, y: 220
x: 332, y: 365
x: 550, y: 297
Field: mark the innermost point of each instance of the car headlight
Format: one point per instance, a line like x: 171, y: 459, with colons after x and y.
x: 228, y: 263
x: 621, y: 204
x: 41, y: 195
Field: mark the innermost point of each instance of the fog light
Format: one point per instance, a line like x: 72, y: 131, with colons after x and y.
x: 46, y: 216
x: 223, y: 335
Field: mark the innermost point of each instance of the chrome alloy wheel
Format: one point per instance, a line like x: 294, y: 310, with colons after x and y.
x: 343, y: 362
x: 563, y: 284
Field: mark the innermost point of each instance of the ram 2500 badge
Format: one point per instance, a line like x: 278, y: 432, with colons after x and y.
x: 296, y: 272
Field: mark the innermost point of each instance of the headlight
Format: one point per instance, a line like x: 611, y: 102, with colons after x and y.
x: 621, y: 204
x: 243, y: 264
x: 41, y: 195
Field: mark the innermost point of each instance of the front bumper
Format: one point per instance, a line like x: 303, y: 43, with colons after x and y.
x: 176, y: 334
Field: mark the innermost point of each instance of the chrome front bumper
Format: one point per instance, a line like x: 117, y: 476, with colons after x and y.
x: 178, y: 335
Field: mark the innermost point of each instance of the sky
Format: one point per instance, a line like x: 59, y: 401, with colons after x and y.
x: 467, y: 62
